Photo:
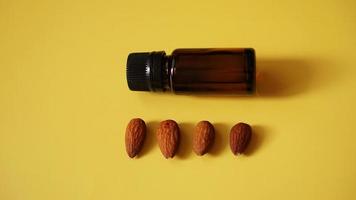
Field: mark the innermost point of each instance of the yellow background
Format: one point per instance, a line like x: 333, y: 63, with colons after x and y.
x: 64, y: 101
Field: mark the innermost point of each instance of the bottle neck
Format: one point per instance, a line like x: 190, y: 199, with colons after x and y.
x: 167, y: 72
x: 158, y: 71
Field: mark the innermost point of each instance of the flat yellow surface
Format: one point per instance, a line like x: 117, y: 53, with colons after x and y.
x: 64, y: 101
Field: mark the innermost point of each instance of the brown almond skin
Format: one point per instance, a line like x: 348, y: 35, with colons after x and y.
x: 240, y: 136
x: 168, y: 138
x: 203, y: 137
x: 135, y: 136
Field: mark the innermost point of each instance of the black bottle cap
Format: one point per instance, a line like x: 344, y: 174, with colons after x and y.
x: 137, y: 71
x: 144, y: 71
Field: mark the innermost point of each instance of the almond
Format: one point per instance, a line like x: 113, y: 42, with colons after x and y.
x: 240, y: 136
x: 168, y: 138
x: 135, y: 136
x: 203, y: 137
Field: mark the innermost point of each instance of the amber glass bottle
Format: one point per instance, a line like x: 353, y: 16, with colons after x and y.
x: 229, y: 71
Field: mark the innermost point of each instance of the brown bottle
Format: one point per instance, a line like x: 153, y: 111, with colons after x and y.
x: 229, y: 71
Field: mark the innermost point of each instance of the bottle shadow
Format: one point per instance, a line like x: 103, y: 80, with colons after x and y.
x: 282, y: 78
x: 277, y: 78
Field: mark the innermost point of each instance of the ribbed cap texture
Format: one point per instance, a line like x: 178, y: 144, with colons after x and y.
x: 136, y: 71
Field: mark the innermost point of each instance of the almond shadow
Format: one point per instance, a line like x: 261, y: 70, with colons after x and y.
x: 221, y: 139
x: 186, y: 140
x: 259, y: 136
x: 150, y: 140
